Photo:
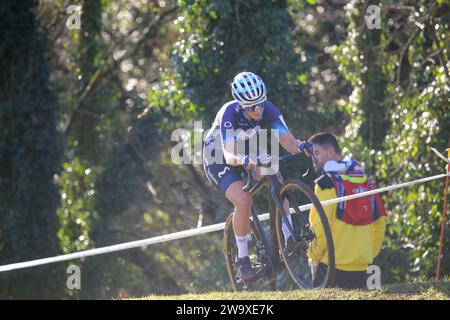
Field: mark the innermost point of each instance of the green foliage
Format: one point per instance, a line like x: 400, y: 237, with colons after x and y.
x: 76, y: 213
x: 218, y: 39
x: 398, y: 150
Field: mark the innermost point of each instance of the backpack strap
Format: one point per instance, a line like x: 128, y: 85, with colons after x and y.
x: 375, y: 210
x: 340, y: 192
x: 324, y: 182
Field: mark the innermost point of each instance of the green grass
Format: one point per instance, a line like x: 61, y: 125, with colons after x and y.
x: 418, y: 291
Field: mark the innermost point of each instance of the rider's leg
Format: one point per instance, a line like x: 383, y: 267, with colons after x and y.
x: 228, y: 180
x: 287, y: 233
x: 242, y: 202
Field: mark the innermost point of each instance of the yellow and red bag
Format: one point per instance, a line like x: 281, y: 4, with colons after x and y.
x: 359, y: 211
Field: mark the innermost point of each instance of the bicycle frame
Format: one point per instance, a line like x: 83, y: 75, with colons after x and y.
x: 274, y: 185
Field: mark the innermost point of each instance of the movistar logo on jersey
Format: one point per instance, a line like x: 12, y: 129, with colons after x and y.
x: 220, y: 174
x: 227, y: 124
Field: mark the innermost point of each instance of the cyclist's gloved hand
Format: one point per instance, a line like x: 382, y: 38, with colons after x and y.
x: 245, y: 160
x: 306, y: 147
x: 262, y: 159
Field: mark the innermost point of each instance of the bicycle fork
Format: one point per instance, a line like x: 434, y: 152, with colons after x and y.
x: 276, y: 186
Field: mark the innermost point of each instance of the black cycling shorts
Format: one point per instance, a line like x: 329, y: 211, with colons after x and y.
x: 222, y: 175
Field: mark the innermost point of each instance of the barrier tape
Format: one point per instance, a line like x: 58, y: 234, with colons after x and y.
x: 192, y: 232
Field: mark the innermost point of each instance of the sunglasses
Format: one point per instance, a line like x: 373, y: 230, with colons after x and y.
x: 254, y: 107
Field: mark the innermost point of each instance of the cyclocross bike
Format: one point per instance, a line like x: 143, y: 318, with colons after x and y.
x: 268, y: 247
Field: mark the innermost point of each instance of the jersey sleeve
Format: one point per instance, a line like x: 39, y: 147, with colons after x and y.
x: 228, y: 125
x: 276, y: 119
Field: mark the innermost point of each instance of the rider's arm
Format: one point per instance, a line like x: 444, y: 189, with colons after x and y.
x: 228, y: 137
x: 232, y: 158
x: 289, y: 143
x: 287, y: 140
x: 230, y: 153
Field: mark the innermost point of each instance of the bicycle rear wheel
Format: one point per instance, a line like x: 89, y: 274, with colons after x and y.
x: 296, y: 258
x: 259, y: 257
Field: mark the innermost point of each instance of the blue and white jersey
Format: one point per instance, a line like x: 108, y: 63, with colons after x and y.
x: 231, y: 124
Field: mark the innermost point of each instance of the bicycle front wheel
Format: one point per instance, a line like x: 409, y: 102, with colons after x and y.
x: 306, y: 238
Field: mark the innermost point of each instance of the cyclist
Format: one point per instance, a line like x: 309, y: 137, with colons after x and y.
x: 236, y: 122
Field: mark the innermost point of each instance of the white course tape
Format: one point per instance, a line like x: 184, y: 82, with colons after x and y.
x: 190, y: 232
x: 374, y: 191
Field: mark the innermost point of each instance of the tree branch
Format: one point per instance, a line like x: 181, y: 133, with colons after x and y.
x: 109, y: 64
x: 90, y: 86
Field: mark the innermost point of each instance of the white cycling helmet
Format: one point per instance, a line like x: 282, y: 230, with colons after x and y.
x: 248, y: 89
